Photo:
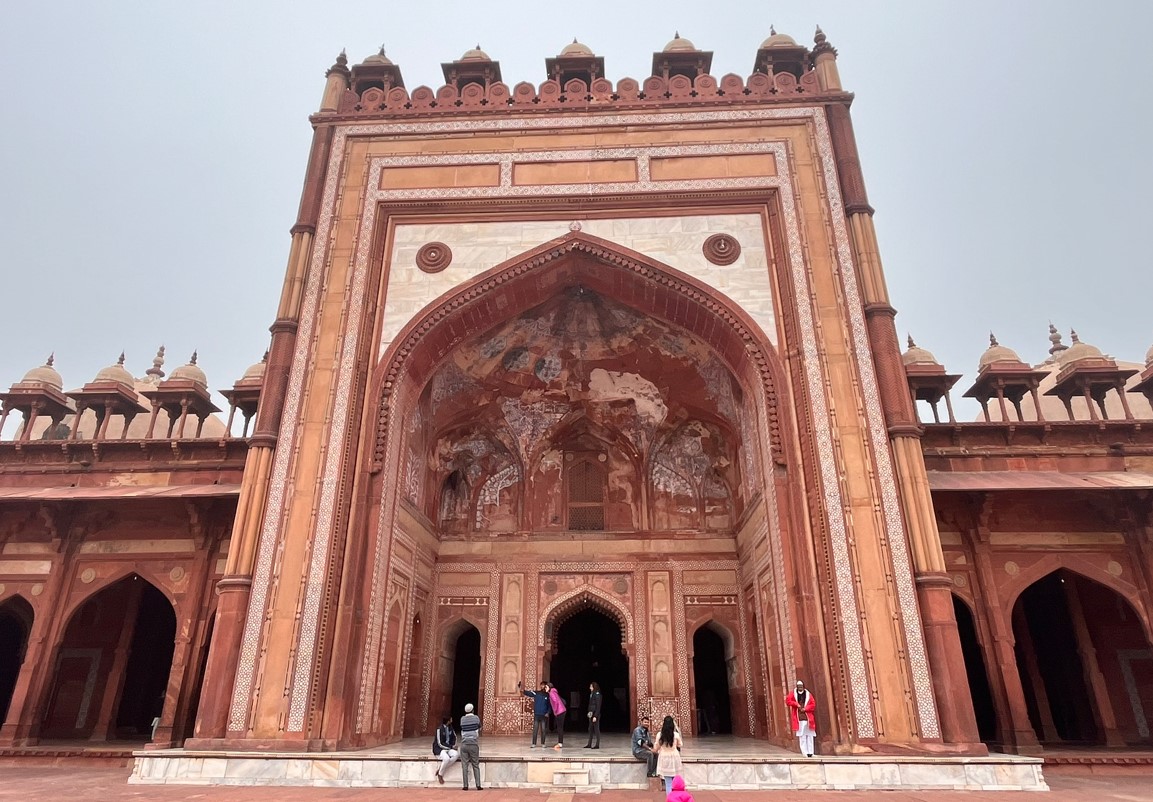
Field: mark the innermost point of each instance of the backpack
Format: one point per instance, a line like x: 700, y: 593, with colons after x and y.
x: 436, y: 742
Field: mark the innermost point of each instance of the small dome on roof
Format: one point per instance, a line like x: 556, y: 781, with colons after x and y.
x: 916, y: 355
x: 576, y: 49
x: 190, y: 372
x: 997, y: 353
x: 1079, y: 350
x: 45, y: 374
x: 476, y: 54
x: 677, y: 44
x: 116, y: 373
x: 379, y: 59
x: 778, y: 40
x: 256, y: 372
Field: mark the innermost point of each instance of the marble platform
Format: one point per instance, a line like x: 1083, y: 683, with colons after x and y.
x: 714, y: 763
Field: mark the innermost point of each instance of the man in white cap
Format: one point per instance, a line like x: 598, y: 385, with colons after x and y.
x: 470, y: 746
x: 802, y: 716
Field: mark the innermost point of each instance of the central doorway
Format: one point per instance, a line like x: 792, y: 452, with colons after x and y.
x: 589, y: 649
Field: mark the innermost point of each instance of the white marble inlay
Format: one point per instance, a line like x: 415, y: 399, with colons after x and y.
x: 675, y: 241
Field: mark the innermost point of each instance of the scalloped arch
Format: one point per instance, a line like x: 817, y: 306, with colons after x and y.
x: 585, y: 597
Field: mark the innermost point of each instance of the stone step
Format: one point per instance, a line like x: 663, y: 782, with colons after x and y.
x: 570, y: 789
x: 570, y: 777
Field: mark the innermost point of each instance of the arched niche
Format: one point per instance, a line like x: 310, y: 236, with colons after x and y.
x: 16, y: 618
x: 112, y: 665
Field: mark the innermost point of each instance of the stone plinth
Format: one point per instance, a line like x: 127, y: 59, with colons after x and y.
x: 508, y: 763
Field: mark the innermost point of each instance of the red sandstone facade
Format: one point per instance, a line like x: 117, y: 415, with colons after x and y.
x: 584, y: 381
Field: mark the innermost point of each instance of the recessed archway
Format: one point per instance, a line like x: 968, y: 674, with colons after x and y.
x: 16, y: 616
x: 489, y: 331
x: 465, y: 671
x: 711, y: 655
x: 588, y: 648
x: 1085, y: 663
x: 113, y: 664
x: 975, y: 671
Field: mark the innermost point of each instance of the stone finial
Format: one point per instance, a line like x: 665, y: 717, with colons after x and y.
x: 1055, y: 339
x: 192, y: 359
x: 1073, y: 336
x: 156, y: 372
x: 51, y: 360
x: 993, y: 340
x: 120, y: 361
x: 340, y: 66
x: 911, y: 343
x: 265, y: 358
x: 772, y: 29
x: 821, y: 43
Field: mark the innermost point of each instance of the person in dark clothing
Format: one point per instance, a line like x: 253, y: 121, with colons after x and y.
x: 444, y: 747
x: 540, y: 711
x: 642, y: 746
x: 470, y: 746
x: 594, y: 714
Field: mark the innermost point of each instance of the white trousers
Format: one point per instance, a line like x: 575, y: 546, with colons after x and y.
x: 805, y: 737
x: 447, y: 758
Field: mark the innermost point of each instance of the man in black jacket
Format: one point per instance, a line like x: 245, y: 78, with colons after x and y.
x: 540, y: 711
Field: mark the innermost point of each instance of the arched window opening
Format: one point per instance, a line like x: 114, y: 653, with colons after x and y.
x: 586, y: 495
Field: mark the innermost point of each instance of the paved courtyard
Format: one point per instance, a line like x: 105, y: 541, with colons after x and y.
x: 57, y: 784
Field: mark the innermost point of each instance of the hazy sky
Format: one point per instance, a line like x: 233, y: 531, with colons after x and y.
x: 151, y: 157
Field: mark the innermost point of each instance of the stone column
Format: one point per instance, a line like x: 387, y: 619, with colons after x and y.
x: 1028, y: 654
x: 942, y: 641
x: 1103, y: 705
x: 235, y: 587
x: 1012, y: 713
x: 105, y: 727
x: 25, y: 711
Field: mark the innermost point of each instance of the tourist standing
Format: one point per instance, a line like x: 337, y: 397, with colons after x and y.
x: 540, y: 708
x: 642, y: 746
x: 803, y: 716
x: 594, y: 715
x: 444, y: 747
x: 559, y: 712
x: 668, y: 749
x: 470, y: 746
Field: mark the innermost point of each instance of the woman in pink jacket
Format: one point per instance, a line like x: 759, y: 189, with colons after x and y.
x: 558, y: 711
x: 679, y: 794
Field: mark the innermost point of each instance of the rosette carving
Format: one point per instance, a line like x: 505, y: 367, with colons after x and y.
x: 433, y: 257
x: 721, y: 249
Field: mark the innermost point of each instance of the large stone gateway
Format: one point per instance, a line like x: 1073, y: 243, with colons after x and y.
x: 588, y: 383
x: 607, y: 367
